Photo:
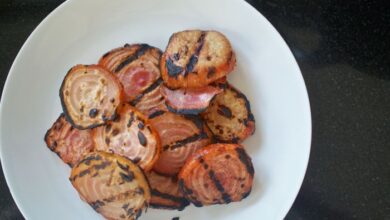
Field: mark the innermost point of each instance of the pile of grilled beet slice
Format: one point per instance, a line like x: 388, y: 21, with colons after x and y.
x: 145, y: 128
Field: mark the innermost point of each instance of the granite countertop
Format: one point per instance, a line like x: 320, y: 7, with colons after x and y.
x: 342, y: 48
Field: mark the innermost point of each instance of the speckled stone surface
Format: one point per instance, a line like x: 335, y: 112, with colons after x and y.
x: 343, y: 50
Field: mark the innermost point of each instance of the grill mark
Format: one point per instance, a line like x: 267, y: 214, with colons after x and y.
x: 84, y: 172
x: 225, y: 111
x: 123, y: 167
x: 143, y: 48
x: 141, y: 125
x: 185, y: 141
x: 156, y: 114
x: 142, y: 138
x: 146, y: 91
x: 211, y: 72
x: 188, y: 192
x: 245, y: 160
x: 88, y: 159
x: 93, y: 113
x: 97, y: 204
x: 173, y: 69
x: 130, y: 120
x: 103, y: 165
x: 226, y: 197
x: 195, y: 56
x: 127, y: 177
x: 108, y: 127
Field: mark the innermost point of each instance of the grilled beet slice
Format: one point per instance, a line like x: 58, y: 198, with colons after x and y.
x: 217, y: 174
x: 69, y: 143
x: 90, y: 96
x: 136, y: 66
x: 113, y: 185
x: 165, y: 192
x: 151, y: 100
x: 129, y: 135
x: 180, y: 137
x: 189, y: 101
x: 195, y: 58
x: 229, y: 116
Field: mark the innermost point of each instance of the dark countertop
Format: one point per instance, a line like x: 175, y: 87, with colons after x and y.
x: 343, y: 50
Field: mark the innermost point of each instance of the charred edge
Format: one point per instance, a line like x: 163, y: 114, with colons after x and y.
x: 188, y: 192
x: 225, y: 111
x: 57, y: 125
x: 87, y: 160
x: 244, y: 158
x: 246, y: 194
x: 139, y: 212
x: 172, y: 69
x: 184, y: 111
x: 179, y: 207
x: 167, y: 196
x: 141, y: 51
x: 241, y: 95
x: 106, y: 54
x: 146, y: 91
x: 127, y: 177
x: 196, y: 120
x: 185, y: 141
x: 97, y: 204
x: 142, y: 139
x: 156, y: 114
x: 226, y: 197
x: 194, y: 57
x: 221, y: 85
x: 211, y: 72
x: 230, y: 57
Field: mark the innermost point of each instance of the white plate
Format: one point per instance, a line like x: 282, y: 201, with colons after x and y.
x: 81, y: 31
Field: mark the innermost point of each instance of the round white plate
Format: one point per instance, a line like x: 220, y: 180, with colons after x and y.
x: 81, y: 31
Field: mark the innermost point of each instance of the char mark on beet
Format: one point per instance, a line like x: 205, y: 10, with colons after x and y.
x: 146, y: 91
x: 195, y: 56
x: 141, y: 51
x: 185, y: 141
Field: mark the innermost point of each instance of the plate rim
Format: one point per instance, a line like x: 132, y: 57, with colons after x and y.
x: 305, y: 97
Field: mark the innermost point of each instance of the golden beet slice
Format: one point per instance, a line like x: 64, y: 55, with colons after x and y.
x: 69, y: 143
x: 113, y: 185
x: 136, y: 66
x: 180, y: 137
x: 195, y: 58
x: 129, y: 135
x: 217, y: 174
x: 229, y: 116
x: 90, y: 96
x: 165, y: 192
